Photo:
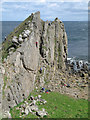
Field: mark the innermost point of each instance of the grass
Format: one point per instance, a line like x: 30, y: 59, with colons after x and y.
x: 16, y: 113
x: 5, y: 80
x: 17, y: 31
x: 44, y: 47
x: 59, y: 106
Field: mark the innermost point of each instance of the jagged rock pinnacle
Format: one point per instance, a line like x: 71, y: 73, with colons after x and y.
x: 36, y: 44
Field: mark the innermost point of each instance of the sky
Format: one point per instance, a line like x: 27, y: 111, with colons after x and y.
x: 65, y: 10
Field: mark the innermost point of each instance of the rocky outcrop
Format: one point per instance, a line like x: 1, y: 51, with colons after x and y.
x: 33, y: 45
x: 31, y: 106
x: 35, y: 55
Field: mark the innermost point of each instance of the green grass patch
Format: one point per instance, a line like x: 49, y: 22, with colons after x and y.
x: 62, y: 106
x: 15, y: 113
x: 44, y: 47
x: 5, y: 80
x: 58, y: 106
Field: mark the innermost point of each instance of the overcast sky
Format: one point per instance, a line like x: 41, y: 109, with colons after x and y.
x: 77, y: 10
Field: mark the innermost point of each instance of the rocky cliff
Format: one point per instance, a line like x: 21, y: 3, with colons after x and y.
x: 32, y: 54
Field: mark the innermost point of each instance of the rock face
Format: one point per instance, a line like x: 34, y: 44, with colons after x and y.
x: 39, y: 45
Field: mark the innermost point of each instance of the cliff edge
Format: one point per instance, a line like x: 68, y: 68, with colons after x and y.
x: 34, y: 51
x: 35, y: 55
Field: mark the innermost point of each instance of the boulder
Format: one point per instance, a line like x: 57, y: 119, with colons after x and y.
x: 22, y: 111
x: 24, y: 36
x: 9, y: 114
x: 20, y: 40
x: 27, y: 32
x: 41, y: 113
x: 44, y: 102
x: 25, y: 39
x: 34, y: 108
x: 39, y: 96
x: 34, y: 102
x: 20, y: 36
x: 32, y: 98
x: 15, y: 39
x: 29, y: 108
x: 26, y: 111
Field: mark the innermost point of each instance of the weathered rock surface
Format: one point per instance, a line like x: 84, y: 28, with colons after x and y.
x: 36, y: 44
x: 46, y: 46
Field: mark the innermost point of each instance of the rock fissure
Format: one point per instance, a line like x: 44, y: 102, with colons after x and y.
x: 39, y: 59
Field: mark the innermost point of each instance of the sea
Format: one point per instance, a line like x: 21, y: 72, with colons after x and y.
x: 77, y: 34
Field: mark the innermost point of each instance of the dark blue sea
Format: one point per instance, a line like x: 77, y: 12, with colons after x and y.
x: 77, y: 33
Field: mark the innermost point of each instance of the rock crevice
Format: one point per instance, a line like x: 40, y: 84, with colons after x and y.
x: 33, y: 45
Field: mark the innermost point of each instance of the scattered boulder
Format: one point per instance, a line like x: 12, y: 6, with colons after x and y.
x: 24, y: 36
x: 34, y: 102
x: 44, y: 102
x: 20, y: 40
x: 41, y: 113
x: 27, y: 32
x: 34, y: 108
x: 27, y: 108
x: 25, y: 39
x: 39, y: 96
x: 26, y: 102
x: 32, y: 98
x: 20, y: 36
x: 22, y: 111
x: 26, y: 111
x: 15, y: 39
